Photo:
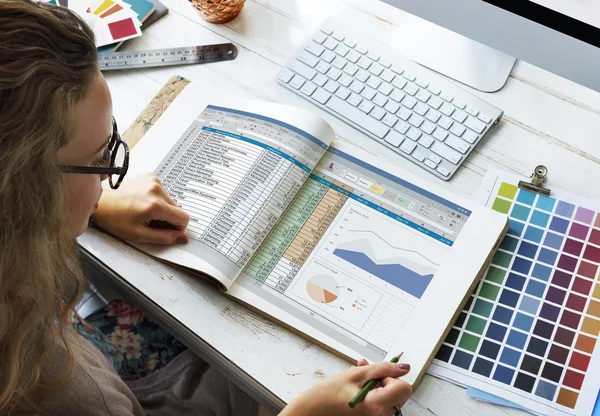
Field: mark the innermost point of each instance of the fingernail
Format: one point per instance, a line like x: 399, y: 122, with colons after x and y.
x: 404, y: 367
x: 180, y: 240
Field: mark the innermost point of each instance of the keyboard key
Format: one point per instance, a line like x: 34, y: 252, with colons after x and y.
x: 374, y: 82
x: 387, y: 75
x: 303, y: 70
x: 339, y: 62
x: 459, y: 116
x: 353, y: 56
x: 445, y: 122
x: 430, y: 163
x: 459, y: 104
x: 418, y: 156
x: 408, y: 147
x: 423, y: 95
x: 447, y: 97
x: 342, y: 50
x: 434, y: 102
x: 297, y: 82
x: 484, y: 118
x: 377, y: 113
x: 457, y: 129
x: 411, y: 89
x: 321, y: 96
x: 421, y: 109
x: 360, y: 49
x: 362, y: 75
x: 389, y: 120
x: 428, y: 127
x: 422, y: 83
x: 392, y: 106
x: 440, y: 134
x: 413, y: 134
x: 368, y: 93
x: 345, y: 80
x: 315, y: 49
x: 376, y: 69
x: 373, y: 56
x: 402, y: 127
x: 319, y: 37
x: 457, y: 144
x: 350, y: 43
x: 385, y: 88
x: 334, y: 73
x: 308, y: 88
x: 404, y: 113
x: 446, y: 152
x: 443, y: 171
x: 409, y: 76
x: 328, y: 56
x: 397, y: 95
x: 356, y: 116
x: 285, y: 75
x: 366, y: 106
x: 433, y: 116
x: 350, y: 69
x: 330, y: 44
x: 332, y: 86
x: 447, y: 109
x: 343, y: 93
x: 354, y: 99
x: 470, y: 136
x: 434, y: 158
x: 320, y: 80
x: 399, y: 82
x: 426, y: 141
x: 322, y: 67
x: 474, y: 124
x: 338, y: 36
x: 434, y: 90
x: 308, y: 59
x: 326, y: 30
x: 472, y: 111
x: 397, y: 69
x: 409, y: 102
x: 364, y: 62
x: 385, y: 62
x: 394, y: 138
x: 380, y: 100
x: 416, y: 120
x: 357, y: 86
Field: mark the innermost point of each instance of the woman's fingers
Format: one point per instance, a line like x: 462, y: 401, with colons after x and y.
x: 380, y: 371
x: 391, y: 393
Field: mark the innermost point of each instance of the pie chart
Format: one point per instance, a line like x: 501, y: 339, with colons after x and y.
x: 322, y: 288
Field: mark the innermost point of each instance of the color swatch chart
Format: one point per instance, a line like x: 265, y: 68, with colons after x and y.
x: 529, y: 332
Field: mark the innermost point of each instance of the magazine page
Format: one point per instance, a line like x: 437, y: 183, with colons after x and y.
x: 234, y: 165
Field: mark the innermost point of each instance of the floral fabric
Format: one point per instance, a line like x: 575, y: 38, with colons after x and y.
x: 133, y: 344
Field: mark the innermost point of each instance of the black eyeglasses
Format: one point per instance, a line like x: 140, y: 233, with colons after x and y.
x: 117, y: 152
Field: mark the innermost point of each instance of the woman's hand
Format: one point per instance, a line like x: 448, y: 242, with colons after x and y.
x: 331, y: 396
x: 128, y: 211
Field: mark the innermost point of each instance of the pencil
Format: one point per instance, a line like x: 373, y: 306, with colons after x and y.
x: 369, y: 385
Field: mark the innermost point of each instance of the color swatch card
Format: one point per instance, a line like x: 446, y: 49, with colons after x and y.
x: 111, y: 20
x: 529, y: 332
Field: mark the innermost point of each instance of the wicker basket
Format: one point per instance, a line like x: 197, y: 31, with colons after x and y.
x: 218, y: 11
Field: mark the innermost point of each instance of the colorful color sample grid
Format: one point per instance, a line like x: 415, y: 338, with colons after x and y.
x: 532, y: 325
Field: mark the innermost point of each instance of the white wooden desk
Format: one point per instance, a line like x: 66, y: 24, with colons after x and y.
x: 547, y: 120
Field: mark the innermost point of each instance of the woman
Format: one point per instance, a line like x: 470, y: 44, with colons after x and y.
x: 57, y: 130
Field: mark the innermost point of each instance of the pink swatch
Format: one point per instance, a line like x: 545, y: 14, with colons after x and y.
x: 122, y: 29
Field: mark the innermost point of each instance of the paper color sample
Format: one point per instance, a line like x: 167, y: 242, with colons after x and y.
x: 529, y: 332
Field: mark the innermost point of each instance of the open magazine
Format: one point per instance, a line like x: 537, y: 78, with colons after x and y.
x: 314, y: 233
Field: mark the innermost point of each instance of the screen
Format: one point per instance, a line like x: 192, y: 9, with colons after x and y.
x: 587, y: 11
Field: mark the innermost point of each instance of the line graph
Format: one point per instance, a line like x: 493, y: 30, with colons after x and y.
x: 394, y: 247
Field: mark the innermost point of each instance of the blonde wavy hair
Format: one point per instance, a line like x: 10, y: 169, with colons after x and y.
x: 48, y: 62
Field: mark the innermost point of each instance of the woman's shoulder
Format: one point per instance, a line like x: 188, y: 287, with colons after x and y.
x: 94, y: 389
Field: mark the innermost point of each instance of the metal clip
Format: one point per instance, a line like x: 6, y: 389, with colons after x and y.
x: 538, y: 177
